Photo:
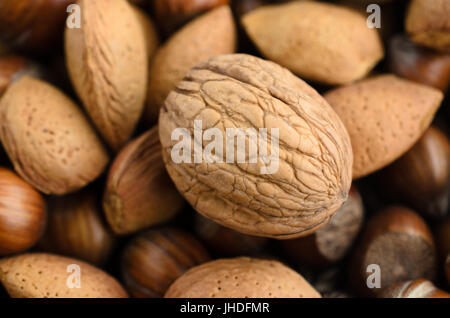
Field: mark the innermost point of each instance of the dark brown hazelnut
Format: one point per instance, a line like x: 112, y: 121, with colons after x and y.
x: 331, y: 242
x: 153, y: 260
x: 76, y: 228
x: 225, y: 241
x: 419, y: 64
x: 420, y: 288
x: 35, y: 26
x: 398, y: 242
x: 421, y: 177
x: 22, y: 214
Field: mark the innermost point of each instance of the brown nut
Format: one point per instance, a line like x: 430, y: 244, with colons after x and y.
x: 225, y: 241
x: 241, y: 278
x: 33, y: 25
x: 303, y: 36
x: 398, y: 241
x: 196, y: 42
x: 75, y: 228
x: 421, y: 177
x: 170, y: 14
x: 139, y: 193
x: 12, y: 68
x: 22, y: 214
x: 107, y: 59
x: 41, y: 275
x: 48, y: 139
x: 419, y: 64
x: 331, y: 242
x: 289, y: 196
x: 420, y: 288
x: 153, y: 260
x: 428, y: 23
x: 385, y: 116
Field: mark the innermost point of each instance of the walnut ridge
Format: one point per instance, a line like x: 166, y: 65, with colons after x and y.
x: 315, y: 155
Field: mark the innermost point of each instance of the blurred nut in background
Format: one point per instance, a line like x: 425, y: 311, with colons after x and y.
x: 171, y: 14
x: 76, y: 228
x: 428, y: 23
x: 225, y: 241
x: 331, y: 242
x: 13, y: 68
x: 139, y: 192
x: 48, y: 138
x: 34, y: 26
x: 153, y: 260
x: 420, y: 288
x: 399, y: 242
x: 419, y: 64
x: 421, y: 177
x: 22, y: 214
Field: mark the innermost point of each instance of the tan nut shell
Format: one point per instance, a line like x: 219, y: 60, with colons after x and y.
x: 107, y: 59
x: 385, y: 116
x: 41, y: 275
x: 48, y: 139
x: 428, y: 23
x: 318, y: 41
x: 241, y: 277
x: 207, y: 36
x: 315, y: 157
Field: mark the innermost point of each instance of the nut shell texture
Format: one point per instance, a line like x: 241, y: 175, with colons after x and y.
x: 43, y: 275
x: 241, y: 278
x: 107, y: 59
x: 385, y: 116
x: 48, y: 139
x: 318, y: 41
x: 315, y: 156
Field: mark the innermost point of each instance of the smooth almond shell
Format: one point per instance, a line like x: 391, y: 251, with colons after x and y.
x: 428, y: 23
x: 139, y: 192
x: 241, y: 278
x: 385, y: 116
x: 207, y: 36
x: 48, y: 139
x: 107, y: 59
x: 43, y: 275
x: 318, y: 41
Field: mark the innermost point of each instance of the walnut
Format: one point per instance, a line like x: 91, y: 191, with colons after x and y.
x: 314, y: 151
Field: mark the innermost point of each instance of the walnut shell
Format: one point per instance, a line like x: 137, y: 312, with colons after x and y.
x: 41, y: 275
x: 428, y: 23
x: 196, y: 42
x: 313, y: 177
x: 107, y: 59
x: 318, y: 41
x: 242, y: 277
x: 384, y: 115
x: 48, y: 139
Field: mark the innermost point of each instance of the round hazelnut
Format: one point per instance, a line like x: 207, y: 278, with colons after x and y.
x: 22, y: 214
x: 398, y: 241
x: 76, y: 228
x: 156, y: 258
x: 331, y: 242
x: 420, y: 288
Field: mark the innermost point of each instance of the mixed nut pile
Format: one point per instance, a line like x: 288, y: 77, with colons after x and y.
x: 120, y: 175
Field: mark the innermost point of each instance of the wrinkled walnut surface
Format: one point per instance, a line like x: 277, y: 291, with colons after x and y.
x: 315, y: 156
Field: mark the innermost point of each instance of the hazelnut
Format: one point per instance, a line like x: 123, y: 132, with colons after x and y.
x: 331, y: 242
x: 421, y: 177
x: 398, y: 241
x: 22, y: 214
x: 419, y: 64
x: 225, y: 241
x: 76, y: 228
x: 139, y: 193
x: 153, y: 260
x: 420, y: 288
